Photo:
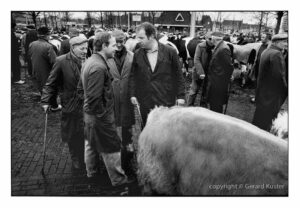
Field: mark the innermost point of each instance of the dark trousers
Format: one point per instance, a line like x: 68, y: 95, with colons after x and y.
x: 15, y: 68
x: 216, y: 106
x: 195, y: 88
x: 263, y: 118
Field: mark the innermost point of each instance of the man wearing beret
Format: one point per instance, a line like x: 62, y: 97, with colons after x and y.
x: 101, y: 136
x: 219, y: 73
x: 272, y: 88
x: 43, y: 57
x: 65, y: 45
x: 65, y: 75
x: 120, y: 67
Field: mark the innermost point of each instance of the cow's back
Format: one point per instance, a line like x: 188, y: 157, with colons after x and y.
x: 196, y: 149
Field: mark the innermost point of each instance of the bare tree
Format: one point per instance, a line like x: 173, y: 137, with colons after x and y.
x: 34, y: 16
x: 279, y: 17
x: 152, y: 15
x: 45, y: 19
x: 66, y: 17
x: 99, y: 16
x: 89, y: 19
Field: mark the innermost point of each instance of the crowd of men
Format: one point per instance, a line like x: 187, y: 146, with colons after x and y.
x: 98, y: 94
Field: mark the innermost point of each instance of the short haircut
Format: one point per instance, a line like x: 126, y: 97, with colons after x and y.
x: 269, y: 36
x: 149, y: 29
x: 100, y: 39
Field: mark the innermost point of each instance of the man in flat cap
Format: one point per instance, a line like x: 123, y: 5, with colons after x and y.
x: 120, y: 67
x: 101, y: 136
x: 219, y: 73
x: 65, y: 75
x: 202, y: 59
x: 65, y: 45
x: 272, y: 88
x: 43, y: 57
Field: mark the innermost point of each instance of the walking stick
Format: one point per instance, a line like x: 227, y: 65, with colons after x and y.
x: 228, y: 94
x: 45, y: 137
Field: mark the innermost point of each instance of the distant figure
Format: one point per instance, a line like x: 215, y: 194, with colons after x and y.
x: 15, y: 61
x: 65, y: 45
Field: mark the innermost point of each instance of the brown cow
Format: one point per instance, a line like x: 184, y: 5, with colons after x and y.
x: 194, y: 151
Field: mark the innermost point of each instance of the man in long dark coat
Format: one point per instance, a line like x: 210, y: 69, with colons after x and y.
x: 43, y: 57
x: 219, y: 74
x: 156, y: 77
x: 65, y: 76
x: 272, y: 87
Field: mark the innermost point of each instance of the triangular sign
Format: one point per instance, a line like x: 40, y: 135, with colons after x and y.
x: 179, y: 18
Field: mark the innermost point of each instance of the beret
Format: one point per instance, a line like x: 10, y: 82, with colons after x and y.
x: 78, y: 40
x: 281, y: 36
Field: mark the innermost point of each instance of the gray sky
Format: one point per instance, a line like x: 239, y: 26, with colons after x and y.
x: 247, y: 17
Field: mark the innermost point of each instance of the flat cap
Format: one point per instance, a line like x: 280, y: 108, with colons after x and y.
x: 217, y: 34
x: 78, y: 40
x: 281, y: 36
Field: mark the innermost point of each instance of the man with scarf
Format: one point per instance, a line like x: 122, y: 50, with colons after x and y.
x: 65, y: 75
x: 202, y: 58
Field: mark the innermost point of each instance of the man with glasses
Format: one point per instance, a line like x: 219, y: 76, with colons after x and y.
x: 272, y: 88
x: 120, y: 67
x: 202, y: 58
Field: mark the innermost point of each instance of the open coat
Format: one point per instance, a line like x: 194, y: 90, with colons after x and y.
x: 162, y: 86
x: 123, y: 107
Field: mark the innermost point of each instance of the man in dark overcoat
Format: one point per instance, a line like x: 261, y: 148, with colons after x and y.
x: 156, y: 77
x: 219, y: 73
x: 65, y: 76
x: 271, y: 90
x: 42, y: 57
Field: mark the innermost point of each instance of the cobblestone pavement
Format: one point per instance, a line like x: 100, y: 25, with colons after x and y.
x: 27, y: 129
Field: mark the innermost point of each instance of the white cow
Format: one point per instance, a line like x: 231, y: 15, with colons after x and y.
x: 194, y: 151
